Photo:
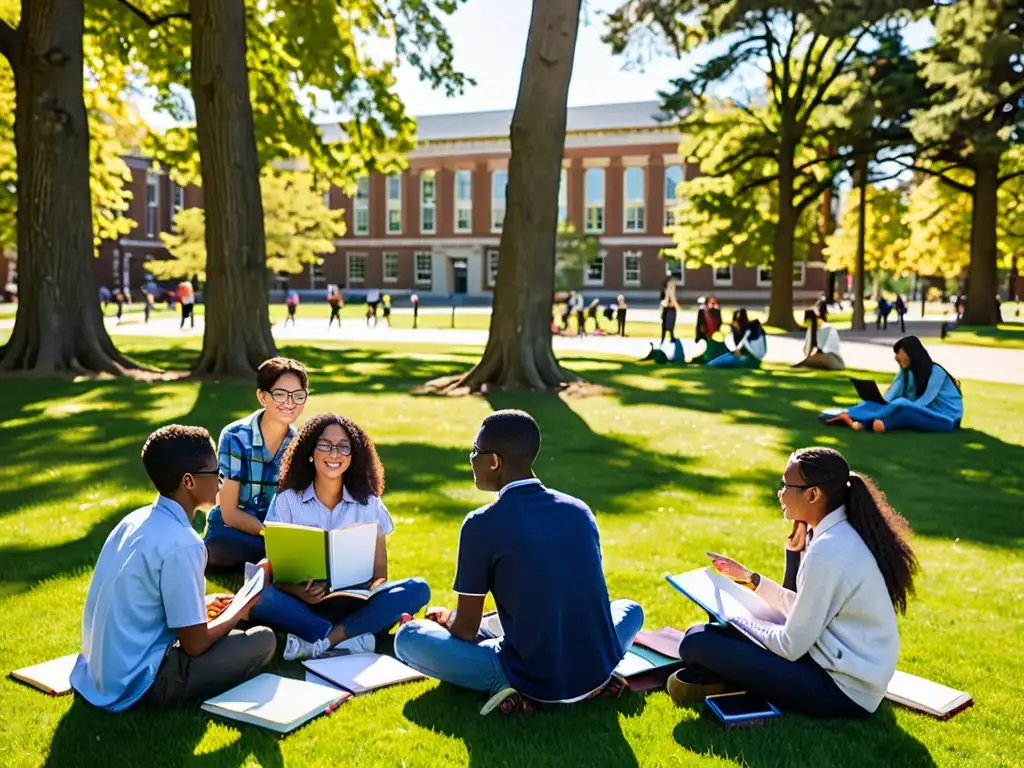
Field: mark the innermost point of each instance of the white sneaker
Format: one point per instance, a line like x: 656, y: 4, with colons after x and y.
x: 297, y: 649
x: 358, y: 644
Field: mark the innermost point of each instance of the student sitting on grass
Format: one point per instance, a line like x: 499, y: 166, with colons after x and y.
x: 539, y: 553
x: 821, y: 346
x: 923, y: 397
x: 149, y: 632
x: 748, y: 344
x: 331, y: 477
x: 250, y: 451
x: 838, y: 649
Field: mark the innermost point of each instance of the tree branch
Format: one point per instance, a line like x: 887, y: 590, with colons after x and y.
x: 155, y: 21
x: 9, y: 42
x: 757, y: 117
x: 770, y: 43
x: 729, y: 170
x: 840, y: 66
x: 1003, y: 179
x: 941, y: 175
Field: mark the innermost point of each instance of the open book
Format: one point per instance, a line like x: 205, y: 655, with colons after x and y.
x: 724, y: 599
x: 277, y: 703
x: 925, y: 696
x: 646, y: 670
x: 52, y: 677
x: 343, y: 557
x: 360, y: 672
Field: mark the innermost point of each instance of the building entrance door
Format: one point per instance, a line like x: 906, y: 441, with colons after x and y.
x: 460, y: 275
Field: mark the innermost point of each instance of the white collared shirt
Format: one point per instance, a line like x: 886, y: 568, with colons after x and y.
x: 518, y: 483
x: 306, y: 509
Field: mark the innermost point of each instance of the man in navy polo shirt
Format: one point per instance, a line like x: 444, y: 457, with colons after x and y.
x: 539, y: 553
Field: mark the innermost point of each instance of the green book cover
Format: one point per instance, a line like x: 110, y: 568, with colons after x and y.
x: 297, y: 553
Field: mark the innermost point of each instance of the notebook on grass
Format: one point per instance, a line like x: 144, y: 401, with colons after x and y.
x: 724, y: 599
x: 277, y: 703
x: 52, y: 677
x: 343, y: 557
x: 925, y: 696
x: 665, y: 640
x: 868, y: 391
x: 646, y: 670
x: 362, y: 672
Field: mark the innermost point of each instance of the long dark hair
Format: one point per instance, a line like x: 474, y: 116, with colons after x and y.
x: 741, y: 323
x: 882, y: 529
x: 364, y: 477
x: 811, y: 318
x: 921, y: 363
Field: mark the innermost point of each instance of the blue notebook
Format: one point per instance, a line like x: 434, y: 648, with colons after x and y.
x: 724, y: 599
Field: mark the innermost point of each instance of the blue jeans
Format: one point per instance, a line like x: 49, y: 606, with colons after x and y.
x: 281, y: 611
x: 902, y: 413
x: 430, y: 648
x: 729, y: 360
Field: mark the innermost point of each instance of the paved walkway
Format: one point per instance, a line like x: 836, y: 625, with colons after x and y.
x: 866, y: 350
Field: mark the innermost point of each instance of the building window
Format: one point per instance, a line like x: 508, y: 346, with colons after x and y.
x: 634, y: 213
x: 499, y: 184
x: 595, y: 270
x: 356, y: 267
x: 563, y: 198
x: 799, y: 274
x: 631, y: 269
x: 177, y: 204
x: 764, y: 276
x: 428, y: 203
x: 674, y: 176
x: 395, y: 204
x: 152, y: 203
x: 593, y: 214
x: 390, y: 267
x: 723, y: 276
x: 463, y: 201
x: 316, y: 276
x: 362, y: 206
x: 327, y: 198
x: 424, y: 268
x: 492, y: 266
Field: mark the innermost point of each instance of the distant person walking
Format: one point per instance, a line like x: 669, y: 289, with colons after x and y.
x: 386, y: 303
x: 901, y: 312
x: 882, y: 310
x: 669, y: 310
x: 292, y: 302
x: 187, y: 298
x: 372, y: 304
x: 335, y: 301
x: 620, y: 315
x: 147, y: 308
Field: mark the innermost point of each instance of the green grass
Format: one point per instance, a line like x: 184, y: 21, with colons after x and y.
x: 675, y: 462
x: 1005, y: 335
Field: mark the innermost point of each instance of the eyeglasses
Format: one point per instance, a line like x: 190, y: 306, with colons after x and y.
x: 298, y: 397
x: 220, y: 476
x: 478, y: 451
x: 343, y: 449
x: 783, y: 486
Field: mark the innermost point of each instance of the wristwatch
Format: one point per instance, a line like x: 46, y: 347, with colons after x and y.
x: 753, y: 582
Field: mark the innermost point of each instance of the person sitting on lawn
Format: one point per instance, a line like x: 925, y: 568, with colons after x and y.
x: 748, y: 344
x: 821, y: 346
x: 838, y: 648
x: 250, y: 451
x: 149, y: 632
x: 331, y: 478
x: 538, y: 552
x: 923, y: 397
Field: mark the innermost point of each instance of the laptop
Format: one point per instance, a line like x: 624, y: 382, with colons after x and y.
x: 868, y: 391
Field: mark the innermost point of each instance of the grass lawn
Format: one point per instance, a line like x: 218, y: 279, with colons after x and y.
x: 1006, y: 335
x: 675, y: 462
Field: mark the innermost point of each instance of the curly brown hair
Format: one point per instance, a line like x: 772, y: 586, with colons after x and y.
x: 882, y: 528
x: 364, y: 477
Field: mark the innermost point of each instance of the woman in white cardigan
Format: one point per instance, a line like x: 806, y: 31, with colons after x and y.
x: 837, y: 650
x: 822, y: 349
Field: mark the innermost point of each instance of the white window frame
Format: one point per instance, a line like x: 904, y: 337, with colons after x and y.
x: 762, y: 280
x: 492, y: 266
x: 636, y: 207
x: 349, y: 261
x: 602, y: 258
x: 384, y: 267
x: 462, y: 206
x: 722, y: 282
x: 416, y: 268
x: 428, y: 204
x: 596, y: 207
x: 628, y: 282
x: 498, y: 200
x: 671, y: 202
x: 394, y: 205
x: 152, y: 206
x: 177, y: 203
x: 361, y: 205
x: 802, y: 265
x: 563, y: 197
x: 766, y: 282
x: 317, y: 278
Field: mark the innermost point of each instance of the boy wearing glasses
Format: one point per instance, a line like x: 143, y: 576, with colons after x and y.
x: 250, y: 451
x: 149, y: 632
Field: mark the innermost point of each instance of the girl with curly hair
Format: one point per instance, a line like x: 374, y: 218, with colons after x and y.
x: 331, y: 477
x: 836, y: 652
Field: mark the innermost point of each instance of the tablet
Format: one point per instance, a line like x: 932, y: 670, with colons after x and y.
x: 735, y: 709
x: 868, y: 391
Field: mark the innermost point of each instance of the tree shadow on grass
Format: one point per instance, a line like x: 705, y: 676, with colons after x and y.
x: 87, y: 736
x: 587, y: 734
x: 874, y: 741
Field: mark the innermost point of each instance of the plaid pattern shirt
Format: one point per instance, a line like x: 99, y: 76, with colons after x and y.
x: 244, y: 458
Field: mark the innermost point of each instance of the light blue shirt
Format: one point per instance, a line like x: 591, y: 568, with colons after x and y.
x: 306, y: 509
x: 148, y: 582
x: 941, y: 395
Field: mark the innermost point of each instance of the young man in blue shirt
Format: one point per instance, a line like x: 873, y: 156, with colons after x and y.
x: 539, y: 553
x: 147, y: 631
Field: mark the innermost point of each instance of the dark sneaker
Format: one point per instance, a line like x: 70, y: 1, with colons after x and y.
x: 688, y: 686
x: 613, y: 689
x: 506, y: 701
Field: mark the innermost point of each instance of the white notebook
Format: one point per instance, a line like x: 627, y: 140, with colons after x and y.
x: 362, y: 672
x: 925, y: 696
x: 277, y: 703
x: 725, y: 599
x: 351, y: 552
x: 52, y: 677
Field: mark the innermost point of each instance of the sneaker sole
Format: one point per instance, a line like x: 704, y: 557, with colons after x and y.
x: 498, y: 700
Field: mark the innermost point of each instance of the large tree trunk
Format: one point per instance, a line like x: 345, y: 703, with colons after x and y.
x: 518, y: 353
x: 860, y: 173
x: 780, y: 309
x: 982, y: 274
x: 237, y: 337
x: 59, y: 327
